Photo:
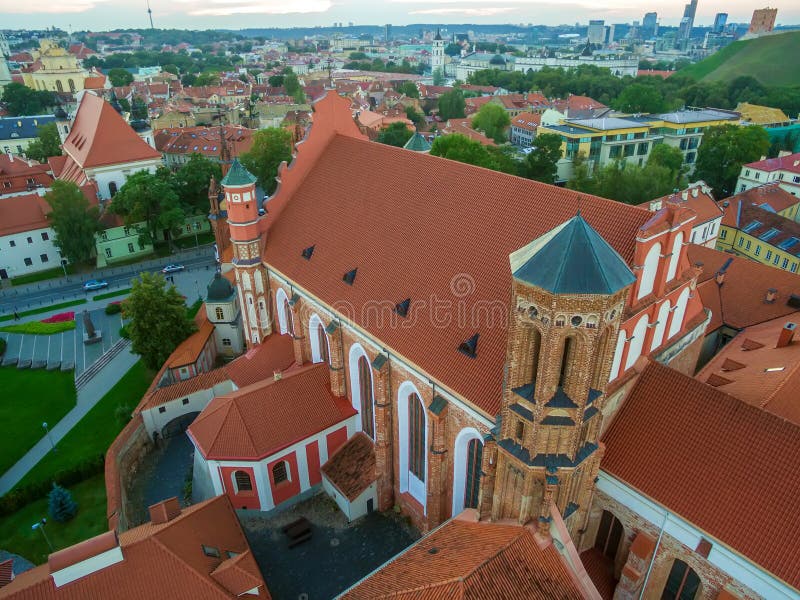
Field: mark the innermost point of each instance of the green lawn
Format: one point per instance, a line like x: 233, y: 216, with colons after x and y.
x: 42, y: 275
x: 95, y: 432
x: 29, y: 398
x: 17, y: 536
x: 188, y: 241
x: 39, y: 328
x: 112, y: 294
x: 44, y: 309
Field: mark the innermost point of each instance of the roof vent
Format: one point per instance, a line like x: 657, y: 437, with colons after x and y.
x: 772, y: 293
x: 433, y: 550
x: 402, y: 307
x: 470, y: 347
x: 308, y: 252
x: 786, y: 335
x: 350, y: 277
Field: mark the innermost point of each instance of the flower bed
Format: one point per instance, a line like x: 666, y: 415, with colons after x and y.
x: 60, y: 317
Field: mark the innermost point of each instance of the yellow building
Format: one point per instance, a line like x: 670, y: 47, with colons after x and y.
x: 55, y: 70
x: 684, y: 129
x: 759, y: 224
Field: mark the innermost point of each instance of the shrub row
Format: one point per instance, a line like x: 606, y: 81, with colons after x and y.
x: 113, y: 308
x: 22, y: 496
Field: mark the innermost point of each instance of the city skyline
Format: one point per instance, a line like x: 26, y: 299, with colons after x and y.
x: 101, y: 15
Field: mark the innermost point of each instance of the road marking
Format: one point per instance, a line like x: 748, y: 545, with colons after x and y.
x: 21, y: 343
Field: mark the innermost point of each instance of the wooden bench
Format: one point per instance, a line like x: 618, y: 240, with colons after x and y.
x: 298, y: 531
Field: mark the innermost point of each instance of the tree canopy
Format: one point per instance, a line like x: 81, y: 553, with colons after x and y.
x: 21, y: 100
x: 462, y: 149
x: 270, y: 148
x: 396, y: 134
x: 74, y: 221
x: 158, y: 319
x: 624, y: 182
x: 723, y: 152
x: 46, y: 144
x: 640, y: 98
x: 451, y: 105
x: 191, y: 182
x: 540, y: 164
x: 149, y: 198
x: 672, y: 159
x: 408, y: 88
x: 120, y: 77
x: 493, y: 120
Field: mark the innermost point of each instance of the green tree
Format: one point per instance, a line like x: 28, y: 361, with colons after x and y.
x: 138, y: 108
x: 21, y: 100
x: 640, y: 98
x: 540, y: 164
x: 451, y: 105
x: 275, y: 80
x: 626, y: 182
x: 415, y: 116
x: 672, y: 159
x: 270, y: 148
x: 452, y: 49
x: 409, y: 89
x: 462, y: 149
x: 396, y: 134
x: 60, y: 504
x: 723, y: 152
x: 46, y: 144
x: 493, y: 120
x: 170, y: 68
x: 581, y: 179
x: 157, y: 319
x: 120, y: 77
x: 74, y: 221
x: 150, y: 199
x: 191, y: 182
x: 438, y: 77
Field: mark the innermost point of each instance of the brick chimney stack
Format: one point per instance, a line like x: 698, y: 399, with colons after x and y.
x: 786, y: 335
x: 772, y: 293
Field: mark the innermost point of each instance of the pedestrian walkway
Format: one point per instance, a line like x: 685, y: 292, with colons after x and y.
x: 89, y: 395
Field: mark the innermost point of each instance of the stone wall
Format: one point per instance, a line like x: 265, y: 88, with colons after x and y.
x: 122, y: 460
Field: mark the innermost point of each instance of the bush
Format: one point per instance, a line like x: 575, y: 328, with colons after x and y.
x: 113, y: 308
x: 61, y: 505
x: 22, y: 496
x: 39, y: 328
x: 2, y: 346
x: 123, y: 332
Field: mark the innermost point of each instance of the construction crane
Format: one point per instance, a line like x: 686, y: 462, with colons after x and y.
x: 150, y: 14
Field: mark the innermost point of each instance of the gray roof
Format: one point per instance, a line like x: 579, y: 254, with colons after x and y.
x: 417, y: 143
x: 606, y: 124
x: 572, y: 259
x: 696, y: 116
x: 12, y: 128
x: 220, y: 289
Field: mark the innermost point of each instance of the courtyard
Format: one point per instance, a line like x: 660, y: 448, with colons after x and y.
x: 338, y: 554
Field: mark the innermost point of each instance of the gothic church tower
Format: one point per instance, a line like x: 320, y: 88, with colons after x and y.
x: 568, y: 292
x: 239, y: 188
x: 437, y: 53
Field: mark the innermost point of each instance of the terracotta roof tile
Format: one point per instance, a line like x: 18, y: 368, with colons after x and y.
x: 6, y: 572
x: 680, y: 442
x: 790, y: 162
x: 276, y: 353
x: 352, y: 468
x: 421, y: 227
x: 189, y: 350
x: 461, y: 559
x: 239, y: 574
x: 23, y: 213
x: 261, y: 419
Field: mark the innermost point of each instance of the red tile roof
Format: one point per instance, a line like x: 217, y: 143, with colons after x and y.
x: 159, y: 561
x: 352, y: 468
x: 462, y: 559
x: 27, y: 212
x: 654, y: 73
x: 527, y: 121
x: 276, y: 353
x: 203, y: 140
x: 6, y: 572
x: 770, y: 194
x: 790, y: 162
x: 189, y: 350
x: 258, y: 420
x: 727, y: 467
x: 100, y: 136
x: 741, y: 300
x: 698, y: 197
x: 17, y: 173
x: 448, y: 240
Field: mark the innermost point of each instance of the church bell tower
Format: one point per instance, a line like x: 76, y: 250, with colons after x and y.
x: 243, y: 208
x: 568, y: 292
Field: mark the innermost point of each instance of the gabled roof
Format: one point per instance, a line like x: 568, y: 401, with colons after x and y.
x: 26, y: 212
x: 472, y: 559
x: 12, y: 128
x: 417, y: 143
x: 238, y: 176
x: 705, y: 456
x: 790, y: 162
x: 352, y: 468
x: 258, y: 420
x: 572, y: 259
x: 100, y: 136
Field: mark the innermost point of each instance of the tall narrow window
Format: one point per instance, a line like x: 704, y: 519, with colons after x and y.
x: 112, y: 188
x: 566, y: 359
x: 682, y: 583
x: 365, y: 394
x: 279, y: 472
x: 243, y: 481
x: 473, y: 481
x: 322, y: 340
x: 289, y: 321
x: 609, y: 535
x: 219, y: 313
x: 416, y: 437
x: 534, y: 347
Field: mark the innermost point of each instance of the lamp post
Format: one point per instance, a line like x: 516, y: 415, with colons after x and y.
x: 49, y: 436
x: 40, y: 526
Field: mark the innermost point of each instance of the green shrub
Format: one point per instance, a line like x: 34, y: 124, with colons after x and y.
x: 123, y: 332
x: 2, y: 346
x: 114, y: 308
x: 61, y: 505
x: 39, y: 328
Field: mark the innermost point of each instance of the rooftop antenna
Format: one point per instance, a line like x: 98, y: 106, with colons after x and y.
x: 150, y: 14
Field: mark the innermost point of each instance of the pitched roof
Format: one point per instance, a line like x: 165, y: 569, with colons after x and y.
x: 769, y: 196
x: 419, y: 226
x: 742, y: 296
x: 463, y: 559
x: 352, y: 468
x: 761, y: 115
x: 760, y: 221
x: 258, y: 420
x: 767, y: 376
x: 705, y: 455
x: 159, y: 560
x: 12, y: 128
x: 572, y: 259
x: 22, y: 213
x: 417, y: 143
x: 527, y: 121
x: 696, y: 196
x: 237, y: 175
x: 100, y: 136
x: 18, y: 174
x: 790, y: 162
x: 189, y: 350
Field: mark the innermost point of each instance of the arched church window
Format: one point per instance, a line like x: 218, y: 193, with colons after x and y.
x: 677, y: 245
x: 71, y: 84
x: 609, y: 534
x: 473, y: 479
x: 365, y: 395
x: 242, y: 481
x: 535, y: 348
x: 417, y: 437
x: 566, y: 361
x: 682, y: 584
x: 649, y: 271
x: 322, y: 340
x: 220, y: 314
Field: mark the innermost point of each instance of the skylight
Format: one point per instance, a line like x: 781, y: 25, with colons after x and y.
x: 751, y: 226
x: 771, y: 233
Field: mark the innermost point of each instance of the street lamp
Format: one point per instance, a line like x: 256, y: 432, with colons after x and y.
x: 40, y: 526
x: 49, y: 436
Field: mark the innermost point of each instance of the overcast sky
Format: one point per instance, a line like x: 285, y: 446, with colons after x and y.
x: 100, y: 15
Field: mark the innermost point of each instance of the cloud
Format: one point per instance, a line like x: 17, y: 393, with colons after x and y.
x: 487, y: 11
x: 47, y: 6
x: 221, y: 8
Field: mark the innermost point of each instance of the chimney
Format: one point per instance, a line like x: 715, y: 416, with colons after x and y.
x: 164, y: 511
x: 772, y: 293
x: 786, y: 335
x: 695, y: 191
x: 719, y: 277
x: 684, y: 195
x: 277, y: 375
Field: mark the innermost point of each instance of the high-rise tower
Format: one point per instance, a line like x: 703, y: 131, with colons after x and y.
x: 437, y: 53
x: 568, y: 293
x: 244, y: 214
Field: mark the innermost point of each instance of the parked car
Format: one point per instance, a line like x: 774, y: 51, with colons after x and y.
x: 95, y: 284
x: 172, y: 269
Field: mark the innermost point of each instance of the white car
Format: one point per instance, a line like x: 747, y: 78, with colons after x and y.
x: 172, y: 269
x: 94, y: 284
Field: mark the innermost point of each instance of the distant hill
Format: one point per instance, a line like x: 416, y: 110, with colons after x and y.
x: 769, y: 59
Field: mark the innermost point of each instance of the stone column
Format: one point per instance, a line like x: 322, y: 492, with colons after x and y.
x: 489, y: 470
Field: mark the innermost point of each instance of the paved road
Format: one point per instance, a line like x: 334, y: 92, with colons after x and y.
x: 70, y: 288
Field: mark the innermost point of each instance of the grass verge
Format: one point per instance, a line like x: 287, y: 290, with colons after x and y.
x: 42, y: 275
x: 44, y: 309
x: 30, y: 398
x: 188, y: 241
x: 112, y: 294
x: 39, y: 328
x: 93, y: 434
x: 17, y: 536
